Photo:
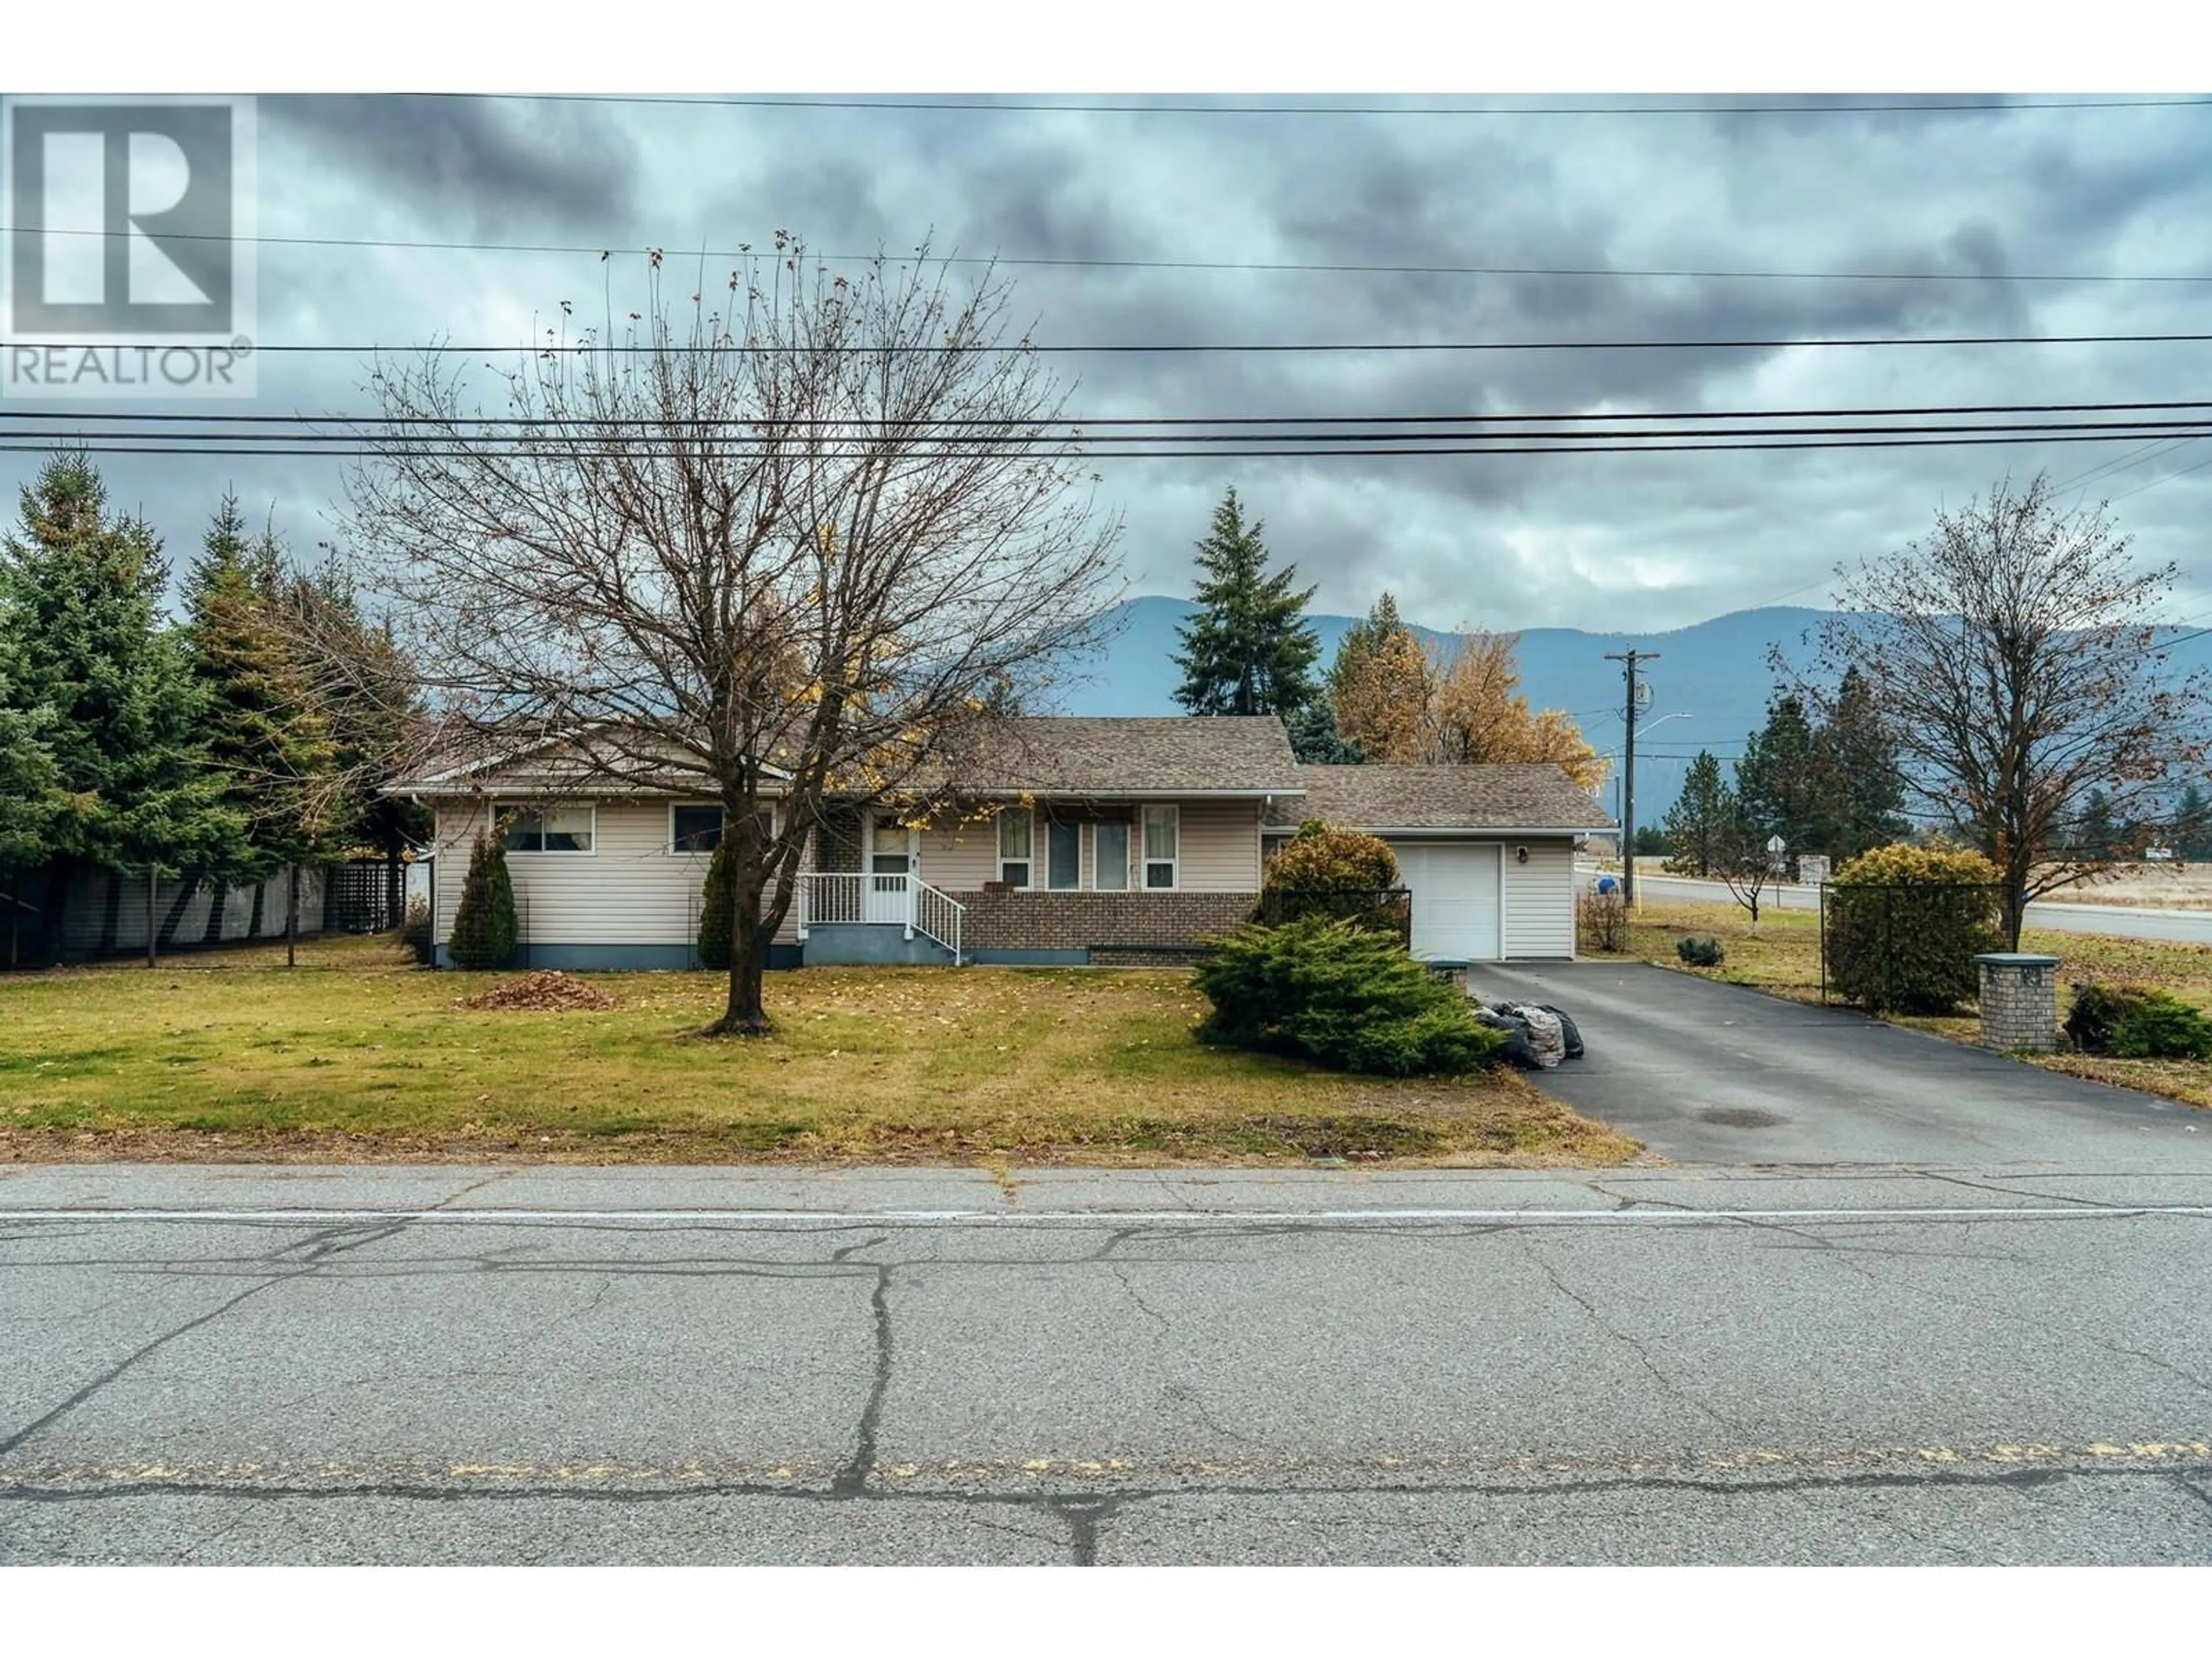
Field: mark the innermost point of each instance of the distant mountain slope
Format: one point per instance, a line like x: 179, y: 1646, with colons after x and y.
x: 1715, y: 673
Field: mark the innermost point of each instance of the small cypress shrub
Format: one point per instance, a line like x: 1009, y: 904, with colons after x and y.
x: 1701, y: 950
x: 2136, y: 1022
x: 484, y: 928
x: 718, y: 903
x: 1341, y: 995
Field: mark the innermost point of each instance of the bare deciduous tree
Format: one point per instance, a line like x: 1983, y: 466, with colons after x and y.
x: 2014, y: 655
x: 800, y: 546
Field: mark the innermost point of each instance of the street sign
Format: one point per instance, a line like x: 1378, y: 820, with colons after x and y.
x: 1775, y: 843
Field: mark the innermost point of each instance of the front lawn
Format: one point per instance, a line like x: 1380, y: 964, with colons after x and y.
x: 357, y: 1055
x: 1783, y: 959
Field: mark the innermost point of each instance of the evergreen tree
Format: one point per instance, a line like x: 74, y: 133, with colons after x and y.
x: 2095, y: 832
x: 1781, y: 780
x: 1861, y: 778
x: 1697, y: 826
x: 1314, y: 739
x: 269, y: 745
x: 717, y: 902
x: 2191, y: 831
x: 1248, y: 651
x: 30, y: 793
x: 484, y: 926
x: 79, y: 590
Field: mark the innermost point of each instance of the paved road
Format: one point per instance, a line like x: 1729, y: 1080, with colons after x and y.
x: 1716, y: 1073
x: 2118, y: 920
x: 410, y: 1365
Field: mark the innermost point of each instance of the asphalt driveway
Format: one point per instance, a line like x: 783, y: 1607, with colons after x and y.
x: 1706, y: 1072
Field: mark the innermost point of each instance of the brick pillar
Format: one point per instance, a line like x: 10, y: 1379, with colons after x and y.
x: 2019, y: 1001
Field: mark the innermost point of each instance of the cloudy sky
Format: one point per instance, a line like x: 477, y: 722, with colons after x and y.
x: 1602, y: 542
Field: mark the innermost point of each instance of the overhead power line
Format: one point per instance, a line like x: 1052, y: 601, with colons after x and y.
x: 204, y: 417
x: 992, y: 107
x: 607, y: 248
x: 970, y: 449
x: 580, y: 349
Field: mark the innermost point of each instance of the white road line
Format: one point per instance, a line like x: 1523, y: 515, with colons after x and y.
x: 2086, y: 1211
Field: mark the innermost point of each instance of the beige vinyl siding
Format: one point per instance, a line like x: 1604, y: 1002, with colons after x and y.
x: 628, y: 890
x: 1539, y: 899
x: 1218, y: 850
x: 960, y: 858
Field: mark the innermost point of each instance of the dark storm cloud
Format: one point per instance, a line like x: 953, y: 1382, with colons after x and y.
x: 513, y: 169
x: 1606, y: 541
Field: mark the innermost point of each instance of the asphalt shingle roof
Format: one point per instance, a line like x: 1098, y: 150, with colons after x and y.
x: 1530, y: 795
x: 1073, y: 754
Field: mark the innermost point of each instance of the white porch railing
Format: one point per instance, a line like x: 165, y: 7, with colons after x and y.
x: 829, y: 896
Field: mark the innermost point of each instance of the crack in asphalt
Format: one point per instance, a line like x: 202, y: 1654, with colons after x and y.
x: 852, y: 1481
x: 324, y: 1244
x: 1635, y: 1346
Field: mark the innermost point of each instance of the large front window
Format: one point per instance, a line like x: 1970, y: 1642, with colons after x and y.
x: 1063, y: 857
x: 548, y: 828
x: 1162, y: 847
x: 1015, y: 824
x: 1110, y: 851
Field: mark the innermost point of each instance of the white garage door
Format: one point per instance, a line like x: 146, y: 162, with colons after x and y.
x: 1455, y: 888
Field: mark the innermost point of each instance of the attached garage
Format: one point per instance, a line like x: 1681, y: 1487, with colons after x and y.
x: 1457, y: 904
x: 1487, y: 851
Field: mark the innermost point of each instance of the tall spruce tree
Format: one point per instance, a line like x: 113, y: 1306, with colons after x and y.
x: 1700, y: 824
x: 1860, y: 776
x: 1248, y: 650
x: 2190, y: 833
x: 30, y: 789
x: 268, y: 742
x: 1781, y: 779
x: 79, y: 596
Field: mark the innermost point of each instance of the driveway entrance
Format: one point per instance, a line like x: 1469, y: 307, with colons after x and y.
x: 1706, y: 1072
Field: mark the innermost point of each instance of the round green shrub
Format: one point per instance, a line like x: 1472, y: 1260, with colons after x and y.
x: 1701, y: 950
x: 1905, y: 925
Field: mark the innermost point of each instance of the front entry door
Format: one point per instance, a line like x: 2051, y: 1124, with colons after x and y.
x: 893, y: 857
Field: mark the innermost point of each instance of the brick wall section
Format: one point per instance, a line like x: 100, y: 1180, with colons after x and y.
x: 1007, y: 920
x: 2019, y: 1004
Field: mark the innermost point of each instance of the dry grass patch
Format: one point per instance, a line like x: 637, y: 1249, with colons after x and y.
x: 987, y: 1065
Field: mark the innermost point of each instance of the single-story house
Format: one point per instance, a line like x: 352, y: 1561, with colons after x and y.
x: 1090, y: 841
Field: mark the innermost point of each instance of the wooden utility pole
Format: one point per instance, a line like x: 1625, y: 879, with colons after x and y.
x: 1629, y: 658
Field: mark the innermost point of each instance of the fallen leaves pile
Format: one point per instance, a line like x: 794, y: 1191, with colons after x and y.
x: 546, y: 991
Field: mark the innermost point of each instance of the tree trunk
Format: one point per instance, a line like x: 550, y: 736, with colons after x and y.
x: 153, y: 897
x: 395, y: 890
x: 260, y: 895
x: 291, y: 916
x: 212, y: 934
x: 744, y: 1014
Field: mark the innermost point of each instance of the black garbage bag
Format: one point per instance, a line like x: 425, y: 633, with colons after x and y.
x: 1517, y: 1051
